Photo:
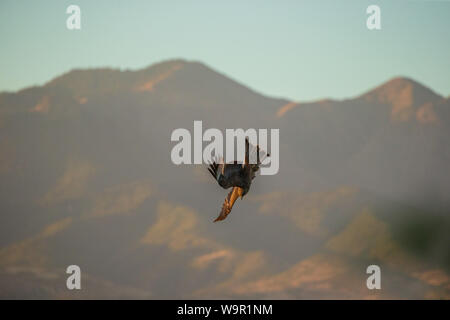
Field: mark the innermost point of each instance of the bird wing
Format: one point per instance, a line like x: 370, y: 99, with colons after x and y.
x: 229, y: 202
x: 256, y: 156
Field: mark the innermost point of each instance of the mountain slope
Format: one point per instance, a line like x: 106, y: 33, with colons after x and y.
x: 86, y: 178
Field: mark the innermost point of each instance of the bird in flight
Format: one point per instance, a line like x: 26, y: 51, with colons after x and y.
x: 236, y: 176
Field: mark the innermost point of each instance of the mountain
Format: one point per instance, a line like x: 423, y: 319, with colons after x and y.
x: 386, y: 140
x: 86, y: 178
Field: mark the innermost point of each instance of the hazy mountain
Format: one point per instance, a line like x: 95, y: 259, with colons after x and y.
x: 86, y: 178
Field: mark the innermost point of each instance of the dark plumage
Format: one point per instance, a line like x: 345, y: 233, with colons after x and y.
x: 236, y: 175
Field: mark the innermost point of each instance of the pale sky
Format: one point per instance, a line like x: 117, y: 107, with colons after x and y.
x: 301, y: 50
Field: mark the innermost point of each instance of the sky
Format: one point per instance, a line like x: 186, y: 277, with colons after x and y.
x: 301, y: 50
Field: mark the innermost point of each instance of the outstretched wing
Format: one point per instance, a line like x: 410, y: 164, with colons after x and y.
x: 229, y: 202
x: 256, y: 157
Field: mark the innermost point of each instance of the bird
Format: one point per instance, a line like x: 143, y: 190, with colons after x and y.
x: 236, y: 176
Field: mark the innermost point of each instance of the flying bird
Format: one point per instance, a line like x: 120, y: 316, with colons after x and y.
x: 236, y: 176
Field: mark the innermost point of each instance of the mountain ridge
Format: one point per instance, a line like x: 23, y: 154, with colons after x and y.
x: 386, y: 91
